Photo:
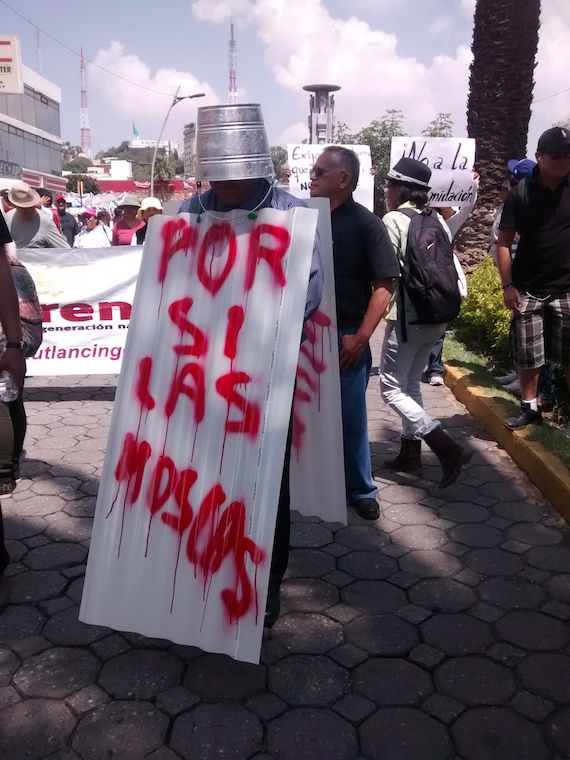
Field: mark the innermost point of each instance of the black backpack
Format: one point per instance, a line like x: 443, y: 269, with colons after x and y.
x: 429, y: 275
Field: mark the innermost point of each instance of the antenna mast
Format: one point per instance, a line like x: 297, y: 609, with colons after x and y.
x: 38, y: 51
x: 232, y: 94
x: 85, y: 129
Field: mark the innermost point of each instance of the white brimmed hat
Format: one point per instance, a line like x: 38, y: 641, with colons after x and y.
x: 149, y: 203
x: 22, y: 195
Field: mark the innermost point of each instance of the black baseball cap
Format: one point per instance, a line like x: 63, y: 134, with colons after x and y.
x: 554, y: 140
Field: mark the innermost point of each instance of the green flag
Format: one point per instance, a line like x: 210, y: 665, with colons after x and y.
x: 135, y: 130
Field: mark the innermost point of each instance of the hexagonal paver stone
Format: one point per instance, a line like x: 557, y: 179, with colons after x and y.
x: 307, y: 634
x: 418, y: 537
x: 310, y: 734
x: 464, y: 513
x: 362, y: 538
x: 368, y: 565
x: 374, y: 597
x: 309, y: 595
x: 430, y: 564
x: 309, y: 536
x: 142, y: 674
x: 8, y: 666
x: 476, y: 535
x: 443, y: 595
x: 57, y: 673
x: 210, y: 732
x: 308, y: 681
x: 33, y: 729
x: 490, y: 733
x: 511, y: 593
x: 558, y: 730
x: 55, y: 556
x: 548, y: 675
x: 475, y: 681
x: 23, y: 527
x: 18, y: 622
x: 404, y: 733
x: 36, y: 586
x: 533, y: 630
x: 41, y: 506
x: 457, y: 634
x: 535, y: 534
x: 559, y: 587
x: 123, y: 729
x: 383, y: 635
x: 309, y: 563
x: 70, y: 529
x: 518, y: 511
x: 392, y: 682
x: 408, y: 514
x: 218, y: 677
x: 65, y: 629
x: 493, y: 562
x: 555, y: 559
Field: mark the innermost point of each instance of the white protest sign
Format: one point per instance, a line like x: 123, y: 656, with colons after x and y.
x: 302, y: 157
x: 451, y: 162
x: 317, y: 462
x: 86, y: 296
x: 185, y: 516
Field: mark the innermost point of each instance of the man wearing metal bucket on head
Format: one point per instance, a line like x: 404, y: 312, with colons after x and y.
x: 237, y: 162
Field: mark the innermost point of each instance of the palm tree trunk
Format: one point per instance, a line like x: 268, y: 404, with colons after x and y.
x: 505, y: 39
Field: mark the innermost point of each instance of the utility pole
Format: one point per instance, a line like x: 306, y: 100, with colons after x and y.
x: 232, y: 93
x: 85, y: 128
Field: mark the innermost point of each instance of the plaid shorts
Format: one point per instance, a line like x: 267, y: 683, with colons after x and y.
x: 541, y: 331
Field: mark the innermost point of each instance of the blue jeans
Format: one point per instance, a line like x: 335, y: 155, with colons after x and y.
x: 357, y: 464
x: 435, y: 361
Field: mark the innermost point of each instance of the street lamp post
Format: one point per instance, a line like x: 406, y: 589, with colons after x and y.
x: 176, y: 99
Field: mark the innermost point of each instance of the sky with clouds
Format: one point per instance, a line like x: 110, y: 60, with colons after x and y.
x: 409, y: 55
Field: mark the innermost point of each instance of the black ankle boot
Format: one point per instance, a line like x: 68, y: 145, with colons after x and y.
x: 451, y: 455
x: 409, y: 458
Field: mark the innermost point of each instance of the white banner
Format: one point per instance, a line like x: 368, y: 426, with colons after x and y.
x: 185, y: 515
x: 11, y: 80
x: 317, y: 461
x: 86, y: 296
x: 302, y: 157
x: 451, y: 161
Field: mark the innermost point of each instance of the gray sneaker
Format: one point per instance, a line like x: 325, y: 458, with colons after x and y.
x: 526, y: 416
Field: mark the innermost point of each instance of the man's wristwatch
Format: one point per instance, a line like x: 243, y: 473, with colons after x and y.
x: 21, y: 345
x: 510, y: 285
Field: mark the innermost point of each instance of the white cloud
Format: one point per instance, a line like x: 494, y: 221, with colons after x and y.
x: 128, y: 101
x: 441, y: 25
x: 296, y: 133
x: 304, y: 43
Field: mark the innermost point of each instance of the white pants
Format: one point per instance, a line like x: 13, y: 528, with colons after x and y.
x: 401, y: 367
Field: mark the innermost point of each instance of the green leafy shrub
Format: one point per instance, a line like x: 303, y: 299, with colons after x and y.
x: 483, y: 323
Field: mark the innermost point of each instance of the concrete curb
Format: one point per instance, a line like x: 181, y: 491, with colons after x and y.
x: 546, y: 471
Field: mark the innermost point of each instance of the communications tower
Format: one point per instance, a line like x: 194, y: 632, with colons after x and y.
x: 85, y: 128
x: 232, y: 93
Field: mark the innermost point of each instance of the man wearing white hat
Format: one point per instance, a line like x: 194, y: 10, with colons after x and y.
x: 245, y: 182
x: 28, y: 227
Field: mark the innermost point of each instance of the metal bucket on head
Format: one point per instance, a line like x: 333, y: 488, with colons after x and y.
x: 231, y: 143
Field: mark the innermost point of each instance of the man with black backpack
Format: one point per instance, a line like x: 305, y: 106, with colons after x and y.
x: 536, y: 284
x: 427, y: 298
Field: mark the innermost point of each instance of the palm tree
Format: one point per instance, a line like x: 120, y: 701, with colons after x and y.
x: 505, y: 39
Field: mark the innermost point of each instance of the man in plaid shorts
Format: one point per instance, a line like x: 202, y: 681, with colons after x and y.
x: 536, y: 284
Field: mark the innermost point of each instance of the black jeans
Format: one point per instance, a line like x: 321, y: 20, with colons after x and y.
x: 280, y: 556
x: 19, y: 425
x: 6, y: 453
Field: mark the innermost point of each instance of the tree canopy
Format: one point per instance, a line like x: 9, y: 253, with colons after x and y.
x: 90, y: 184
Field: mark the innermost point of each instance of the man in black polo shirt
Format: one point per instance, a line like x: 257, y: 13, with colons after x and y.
x: 365, y: 266
x: 536, y: 285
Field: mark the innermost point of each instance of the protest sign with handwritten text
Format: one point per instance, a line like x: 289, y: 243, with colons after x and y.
x: 302, y: 157
x: 451, y: 162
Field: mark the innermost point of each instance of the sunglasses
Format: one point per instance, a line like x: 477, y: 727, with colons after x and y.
x: 319, y: 171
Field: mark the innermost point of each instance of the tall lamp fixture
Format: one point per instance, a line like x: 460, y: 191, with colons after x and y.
x: 176, y: 99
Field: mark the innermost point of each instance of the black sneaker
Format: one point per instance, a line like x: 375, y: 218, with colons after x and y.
x: 526, y: 416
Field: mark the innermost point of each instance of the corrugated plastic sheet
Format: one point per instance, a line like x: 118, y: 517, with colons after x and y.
x: 185, y: 514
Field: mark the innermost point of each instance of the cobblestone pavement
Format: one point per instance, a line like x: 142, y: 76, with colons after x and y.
x: 439, y: 632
